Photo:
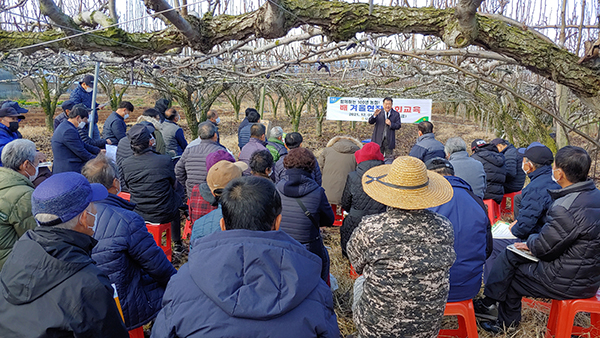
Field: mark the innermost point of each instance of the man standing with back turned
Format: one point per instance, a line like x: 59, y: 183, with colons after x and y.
x: 386, y: 125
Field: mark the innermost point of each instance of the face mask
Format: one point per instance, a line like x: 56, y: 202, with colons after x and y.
x: 95, y: 221
x: 81, y: 125
x: 554, y: 179
x: 32, y: 178
x: 218, y: 120
x: 126, y: 116
x: 523, y: 168
x: 89, y: 89
x: 13, y: 126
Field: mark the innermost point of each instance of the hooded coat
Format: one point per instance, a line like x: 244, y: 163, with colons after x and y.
x: 336, y: 162
x: 298, y: 184
x: 470, y: 223
x: 15, y: 210
x: 568, y: 245
x: 356, y: 202
x: 51, y: 288
x: 130, y: 257
x: 268, y: 286
x: 495, y: 171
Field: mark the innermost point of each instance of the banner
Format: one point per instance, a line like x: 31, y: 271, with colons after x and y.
x: 360, y: 109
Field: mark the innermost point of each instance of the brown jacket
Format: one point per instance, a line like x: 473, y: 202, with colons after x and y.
x: 336, y: 162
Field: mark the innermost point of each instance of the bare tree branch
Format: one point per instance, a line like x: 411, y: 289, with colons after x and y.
x: 177, y: 20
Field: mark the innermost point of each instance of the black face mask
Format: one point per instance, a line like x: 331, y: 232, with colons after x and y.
x: 13, y: 126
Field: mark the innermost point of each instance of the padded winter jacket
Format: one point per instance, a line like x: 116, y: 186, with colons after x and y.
x: 243, y: 283
x: 70, y: 153
x: 568, y: 245
x: 277, y: 148
x: 150, y: 179
x: 470, y: 223
x: 495, y: 171
x: 191, y: 167
x: 79, y: 95
x: 535, y: 202
x: 336, y: 162
x: 356, y: 202
x: 515, y: 176
x: 15, y: 210
x: 427, y: 147
x: 470, y: 170
x: 298, y: 184
x: 114, y: 128
x: 244, y: 135
x: 129, y: 256
x: 50, y: 287
x: 252, y: 146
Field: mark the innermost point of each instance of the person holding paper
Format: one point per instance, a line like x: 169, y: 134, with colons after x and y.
x: 386, y: 122
x: 567, y: 246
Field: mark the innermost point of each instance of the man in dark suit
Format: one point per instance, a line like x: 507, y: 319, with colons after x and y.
x: 386, y: 125
x: 70, y: 152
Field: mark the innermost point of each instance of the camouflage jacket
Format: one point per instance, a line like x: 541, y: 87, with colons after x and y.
x: 405, y: 257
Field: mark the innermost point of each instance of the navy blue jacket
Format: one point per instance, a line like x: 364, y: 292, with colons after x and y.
x: 535, y: 202
x: 127, y: 253
x: 244, y: 135
x: 79, y: 95
x: 6, y: 136
x: 58, y: 120
x: 515, y: 176
x: 495, y: 171
x: 114, y: 128
x: 70, y: 153
x: 470, y: 222
x: 243, y: 283
x: 427, y: 147
x: 96, y: 142
x: 379, y: 128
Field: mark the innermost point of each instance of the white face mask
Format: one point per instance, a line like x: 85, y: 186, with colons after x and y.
x: 81, y: 125
x: 126, y: 116
x: 89, y: 89
x: 37, y: 172
x: 95, y: 221
x: 523, y: 168
x: 218, y: 120
x: 553, y: 178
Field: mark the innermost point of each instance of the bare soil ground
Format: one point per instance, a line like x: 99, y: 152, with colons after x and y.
x: 446, y: 126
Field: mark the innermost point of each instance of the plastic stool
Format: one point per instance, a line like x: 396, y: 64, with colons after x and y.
x: 493, y: 210
x: 562, y: 314
x: 125, y: 195
x: 508, y: 203
x: 338, y: 218
x: 187, y: 230
x: 467, y: 325
x: 157, y: 230
x: 353, y: 273
x: 137, y: 333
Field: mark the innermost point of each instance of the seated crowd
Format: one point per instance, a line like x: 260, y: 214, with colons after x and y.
x: 416, y: 229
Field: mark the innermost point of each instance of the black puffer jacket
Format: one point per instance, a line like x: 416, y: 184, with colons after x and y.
x: 298, y: 183
x: 568, y: 245
x: 356, y: 202
x: 515, y: 176
x: 495, y: 171
x: 191, y: 168
x: 150, y: 178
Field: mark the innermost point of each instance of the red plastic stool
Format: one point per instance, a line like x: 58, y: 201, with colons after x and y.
x: 508, y: 203
x: 125, y: 195
x: 562, y: 314
x: 187, y: 231
x: 467, y: 325
x: 338, y: 217
x: 353, y: 273
x: 493, y: 210
x: 137, y: 333
x: 157, y: 230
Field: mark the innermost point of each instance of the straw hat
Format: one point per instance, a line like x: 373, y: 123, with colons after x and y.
x: 407, y: 184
